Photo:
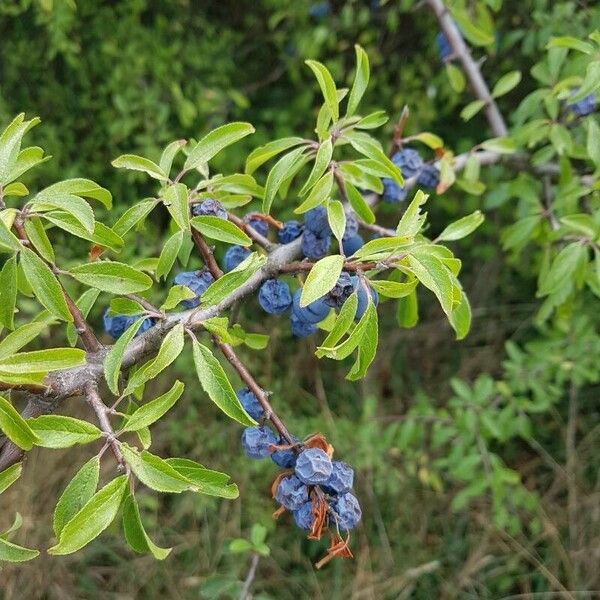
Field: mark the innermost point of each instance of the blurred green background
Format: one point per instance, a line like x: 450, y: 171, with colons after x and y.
x: 467, y: 490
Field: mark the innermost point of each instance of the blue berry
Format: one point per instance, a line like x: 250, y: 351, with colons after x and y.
x: 274, y: 296
x: 351, y: 224
x: 429, y: 177
x: 340, y: 292
x: 285, y: 459
x: 234, y: 256
x: 347, y: 512
x: 291, y: 493
x: 209, y: 208
x: 392, y: 192
x: 257, y: 441
x: 116, y: 325
x: 363, y: 299
x: 258, y: 225
x: 409, y: 162
x: 315, y: 312
x: 250, y: 403
x: 319, y: 10
x: 315, y: 220
x: 352, y: 244
x: 197, y: 281
x: 584, y: 107
x: 341, y: 479
x: 313, y: 246
x: 304, y: 516
x: 300, y: 328
x: 313, y: 466
x: 290, y: 231
x: 443, y: 45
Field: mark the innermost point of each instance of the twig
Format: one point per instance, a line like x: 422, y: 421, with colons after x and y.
x: 571, y: 471
x: 207, y: 254
x: 245, y: 593
x: 93, y: 399
x: 256, y: 237
x: 470, y: 67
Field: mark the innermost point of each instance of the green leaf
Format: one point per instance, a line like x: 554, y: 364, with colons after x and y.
x: 456, y: 77
x: 222, y: 230
x: 359, y: 204
x: 15, y: 427
x: 215, y: 383
x: 591, y: 82
x: 169, y: 254
x: 593, y: 142
x: 8, y: 293
x: 382, y: 246
x: 229, y: 282
x: 320, y: 192
x: 133, y: 215
x: 205, y: 481
x: 176, y: 294
x: 114, y: 359
x: 9, y: 476
x: 369, y: 148
x: 102, y: 236
x: 336, y: 218
x: 321, y: 279
x: 112, y: 277
x: 407, y: 315
x: 21, y: 337
x: 15, y: 189
x: 502, y: 145
x: 361, y: 80
x: 472, y: 31
x: 12, y: 553
x: 343, y: 322
x: 77, y: 494
x: 170, y: 349
x: 394, y: 289
x: 432, y: 273
x: 56, y: 431
x: 34, y: 228
x: 462, y: 228
x: 322, y: 160
x: 37, y: 361
x: 412, y: 220
x: 95, y: 516
x: 212, y: 143
x: 571, y: 43
x: 563, y: 268
x: 460, y: 317
x: 372, y: 121
x: 471, y: 109
x: 327, y: 86
x: 169, y: 154
x: 262, y: 154
x: 8, y: 241
x: 154, y: 472
x: 429, y: 139
x: 45, y: 286
x: 85, y: 188
x: 278, y: 174
x: 77, y: 207
x: 367, y: 349
x: 153, y: 410
x: 135, y: 534
x: 175, y: 199
x: 506, y: 83
x: 139, y: 163
x: 10, y: 144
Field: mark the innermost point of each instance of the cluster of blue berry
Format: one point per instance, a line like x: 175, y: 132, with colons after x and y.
x: 411, y: 164
x: 311, y: 477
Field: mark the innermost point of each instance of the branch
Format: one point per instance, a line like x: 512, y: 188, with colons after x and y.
x: 470, y: 67
x: 245, y: 593
x: 206, y: 253
x: 256, y: 237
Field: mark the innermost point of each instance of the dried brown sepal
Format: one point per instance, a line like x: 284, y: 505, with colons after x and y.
x: 317, y: 440
x: 277, y: 513
x: 338, y: 548
x: 319, y: 511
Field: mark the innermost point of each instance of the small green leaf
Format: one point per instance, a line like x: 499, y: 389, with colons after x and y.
x: 37, y: 361
x: 462, y: 228
x: 361, y: 80
x: 343, y: 322
x: 175, y: 199
x: 336, y: 218
x: 215, y: 383
x: 95, y: 516
x: 14, y: 341
x: 372, y: 121
x: 8, y: 293
x: 169, y: 254
x: 12, y: 553
x: 9, y: 476
x: 176, y: 294
x: 212, y: 143
x: 44, y: 284
x: 112, y: 277
x: 501, y: 145
x: 219, y: 229
x: 262, y: 154
x: 56, y: 431
x: 139, y: 163
x: 136, y: 535
x: 429, y: 139
x: 278, y: 174
x: 17, y: 189
x: 319, y: 193
x: 456, y: 77
x: 102, y: 236
x: 412, y: 220
x: 153, y: 410
x: 85, y: 188
x: 322, y: 160
x: 327, y: 86
x: 15, y: 427
x: 432, y: 273
x: 359, y: 204
x: 321, y: 279
x: 205, y: 481
x: 368, y: 147
x: 114, y: 359
x: 34, y: 228
x: 8, y: 241
x: 572, y: 43
x: 506, y: 83
x: 77, y: 207
x: 460, y: 317
x: 133, y: 215
x: 77, y: 494
x: 367, y: 349
x: 471, y: 109
x: 407, y: 315
x: 394, y: 289
x: 169, y: 154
